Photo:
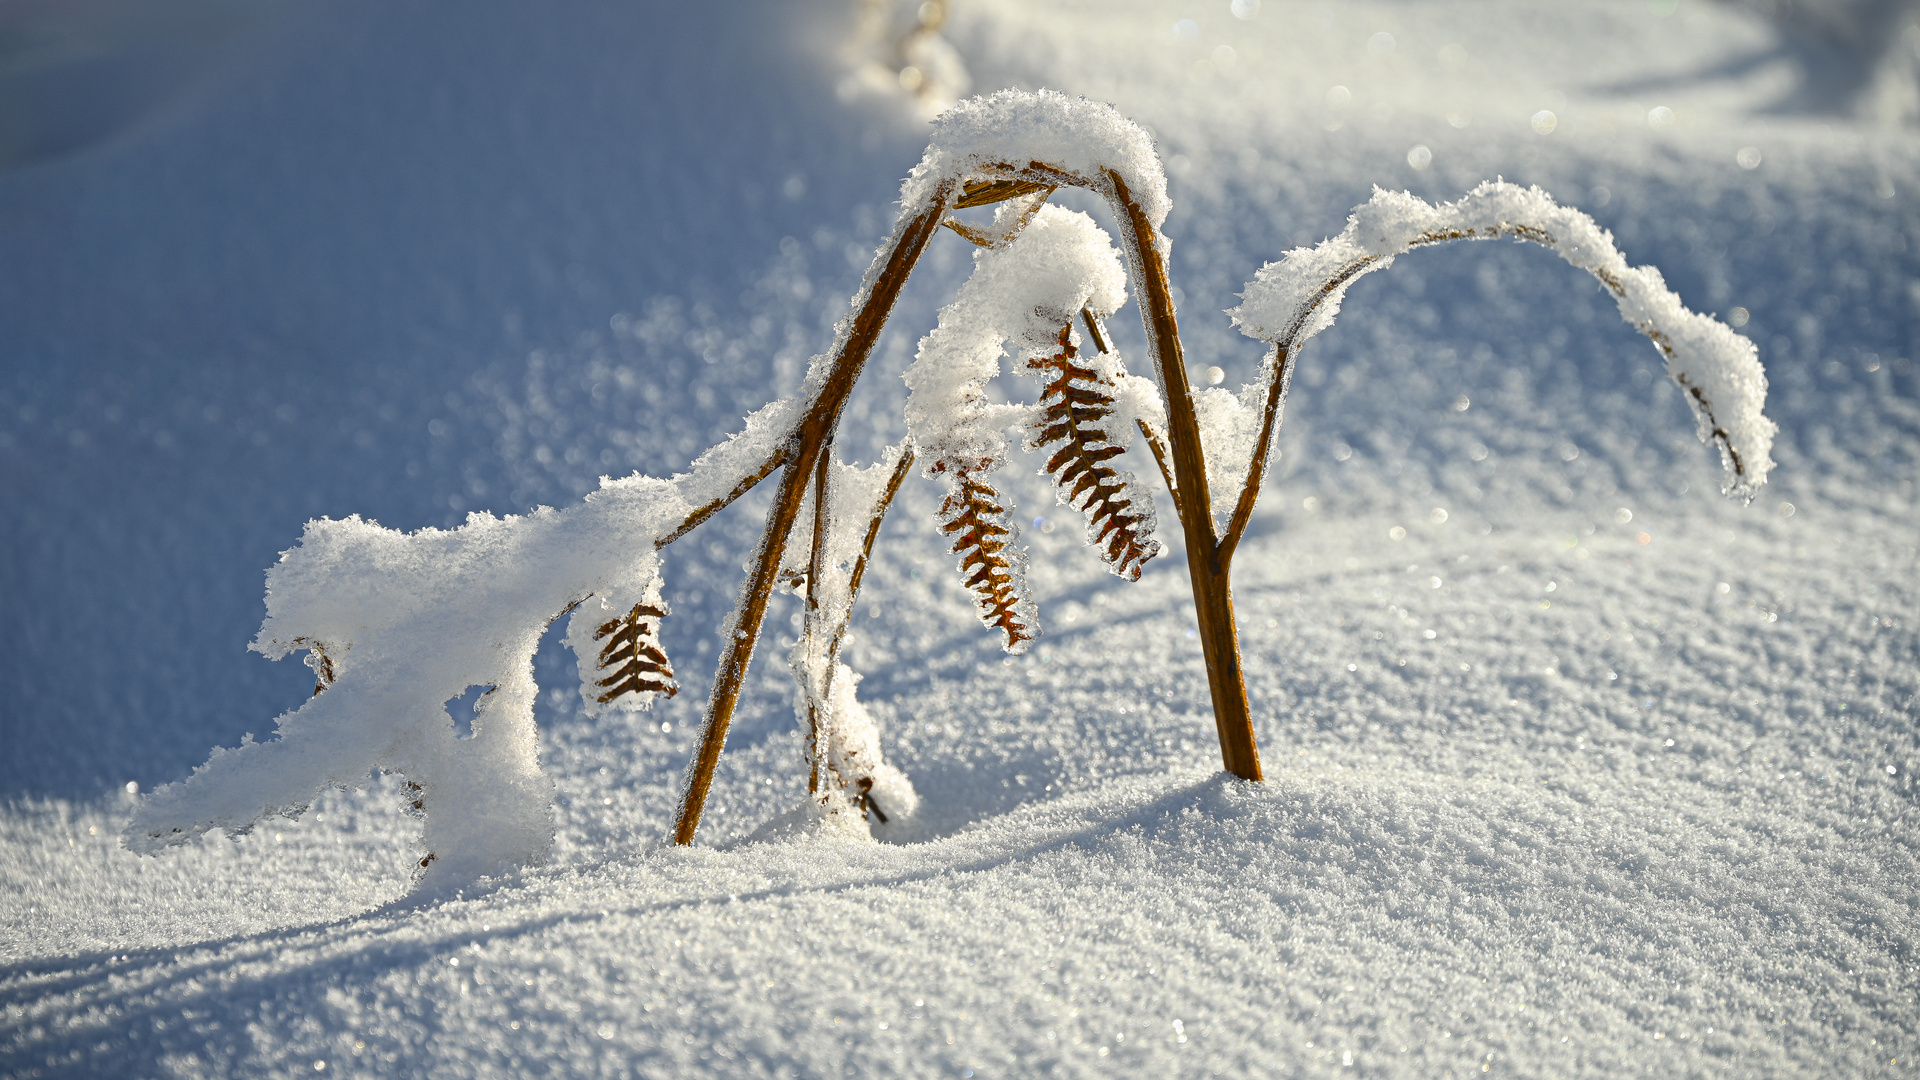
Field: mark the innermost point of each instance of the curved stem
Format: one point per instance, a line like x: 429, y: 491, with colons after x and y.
x: 1279, y: 375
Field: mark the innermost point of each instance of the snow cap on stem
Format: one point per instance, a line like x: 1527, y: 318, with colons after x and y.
x: 1018, y: 127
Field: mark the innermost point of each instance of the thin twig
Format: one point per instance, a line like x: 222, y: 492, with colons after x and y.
x: 1093, y: 330
x: 816, y: 564
x: 987, y: 192
x: 1154, y: 442
x: 866, y: 550
x: 699, y: 517
x: 1282, y: 375
x: 1159, y: 447
x: 982, y: 237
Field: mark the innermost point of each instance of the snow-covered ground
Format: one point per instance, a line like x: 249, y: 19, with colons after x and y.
x: 1575, y: 767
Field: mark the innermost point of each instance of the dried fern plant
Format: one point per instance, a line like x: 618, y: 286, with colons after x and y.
x: 632, y: 655
x: 1075, y: 428
x: 992, y: 568
x: 1042, y: 275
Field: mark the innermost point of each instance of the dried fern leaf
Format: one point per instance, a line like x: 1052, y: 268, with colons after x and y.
x: 988, y: 192
x: 320, y: 663
x: 1075, y: 427
x: 992, y: 567
x: 633, y: 656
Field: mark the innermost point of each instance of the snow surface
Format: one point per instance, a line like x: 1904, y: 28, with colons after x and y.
x: 1642, y: 803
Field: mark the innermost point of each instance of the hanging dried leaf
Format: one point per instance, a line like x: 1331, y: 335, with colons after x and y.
x: 991, y: 566
x: 988, y: 192
x: 633, y: 656
x: 1076, y: 421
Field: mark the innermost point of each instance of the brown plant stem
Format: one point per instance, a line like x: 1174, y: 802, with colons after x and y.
x: 1212, y: 587
x: 816, y: 563
x: 1281, y: 374
x: 808, y: 443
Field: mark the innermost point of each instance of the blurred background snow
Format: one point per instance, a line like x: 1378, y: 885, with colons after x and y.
x: 266, y: 262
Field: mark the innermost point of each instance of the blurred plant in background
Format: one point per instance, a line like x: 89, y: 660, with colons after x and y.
x: 898, y: 50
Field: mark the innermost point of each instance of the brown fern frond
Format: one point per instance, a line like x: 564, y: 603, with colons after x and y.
x: 1076, y: 412
x: 992, y: 568
x: 633, y: 655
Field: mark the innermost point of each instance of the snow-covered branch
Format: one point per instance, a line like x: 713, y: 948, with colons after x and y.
x: 1290, y: 301
x: 402, y: 623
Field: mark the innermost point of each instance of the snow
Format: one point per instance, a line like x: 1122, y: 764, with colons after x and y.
x: 405, y: 622
x: 1021, y: 294
x: 1641, y: 803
